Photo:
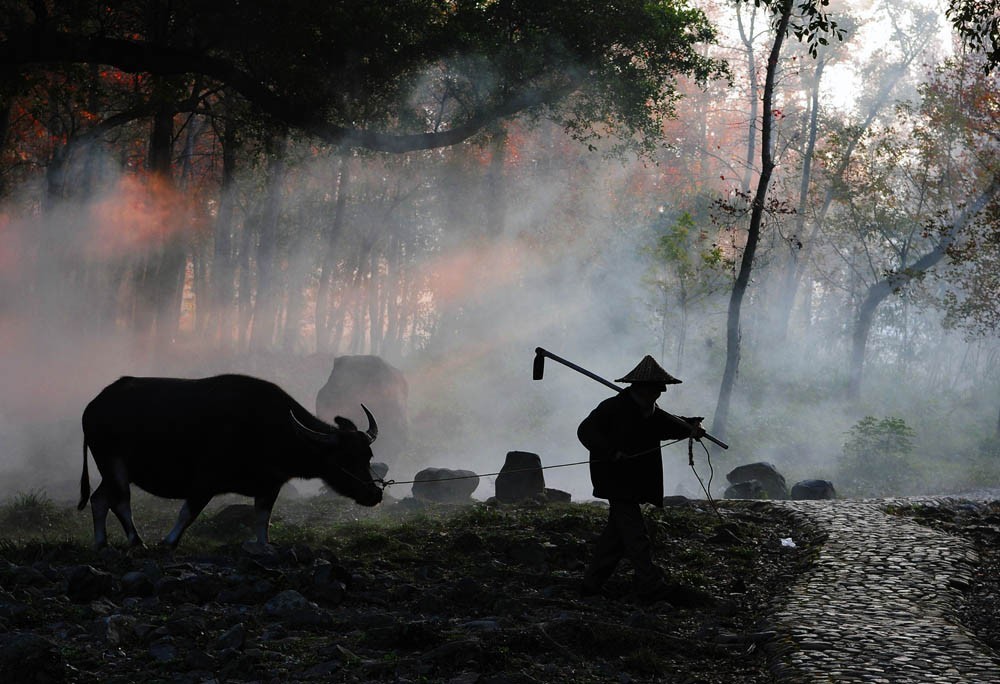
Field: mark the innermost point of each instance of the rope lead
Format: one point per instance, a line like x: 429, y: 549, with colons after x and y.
x: 384, y: 484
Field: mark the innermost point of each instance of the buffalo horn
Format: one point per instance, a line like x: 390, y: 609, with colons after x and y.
x: 309, y: 432
x: 372, y: 430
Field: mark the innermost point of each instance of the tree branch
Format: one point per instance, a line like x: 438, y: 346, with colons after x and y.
x: 136, y: 56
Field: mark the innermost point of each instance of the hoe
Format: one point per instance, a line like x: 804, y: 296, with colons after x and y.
x: 538, y: 370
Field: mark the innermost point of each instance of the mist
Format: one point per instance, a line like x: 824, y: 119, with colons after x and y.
x: 493, y: 249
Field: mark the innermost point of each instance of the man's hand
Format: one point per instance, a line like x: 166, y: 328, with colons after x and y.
x: 697, y: 431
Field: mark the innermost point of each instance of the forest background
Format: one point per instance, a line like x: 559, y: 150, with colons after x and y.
x: 793, y: 206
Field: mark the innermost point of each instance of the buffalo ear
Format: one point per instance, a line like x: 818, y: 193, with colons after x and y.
x: 345, y: 424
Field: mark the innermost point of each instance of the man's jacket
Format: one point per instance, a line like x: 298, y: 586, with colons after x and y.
x: 617, y: 424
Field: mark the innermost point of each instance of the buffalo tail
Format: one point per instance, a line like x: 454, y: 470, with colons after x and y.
x: 84, y: 480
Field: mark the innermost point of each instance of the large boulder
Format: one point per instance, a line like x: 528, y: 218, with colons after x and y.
x: 520, y: 478
x: 368, y: 380
x: 766, y: 474
x: 444, y: 485
x: 813, y: 490
x: 751, y: 489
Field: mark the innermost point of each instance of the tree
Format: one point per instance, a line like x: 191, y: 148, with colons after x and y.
x: 415, y: 74
x: 805, y: 21
x: 396, y: 77
x: 978, y: 25
x: 886, y: 71
x: 935, y: 189
x: 689, y: 267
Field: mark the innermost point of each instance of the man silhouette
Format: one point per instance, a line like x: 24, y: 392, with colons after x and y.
x: 623, y: 434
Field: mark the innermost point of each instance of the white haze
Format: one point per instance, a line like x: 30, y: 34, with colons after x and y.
x: 472, y: 397
x: 568, y: 281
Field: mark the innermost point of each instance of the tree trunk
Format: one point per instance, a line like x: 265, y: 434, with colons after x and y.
x: 245, y: 294
x: 753, y: 232
x: 265, y: 310
x: 223, y: 269
x: 6, y: 107
x: 877, y: 293
x: 169, y: 265
x: 323, y: 304
x: 896, y: 281
x: 881, y: 99
x: 786, y: 297
x: 747, y: 38
x: 494, y: 187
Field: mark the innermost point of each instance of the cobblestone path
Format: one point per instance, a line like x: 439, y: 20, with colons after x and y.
x: 879, y: 605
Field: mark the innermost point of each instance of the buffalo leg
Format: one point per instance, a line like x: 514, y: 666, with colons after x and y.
x: 122, y: 509
x: 99, y: 507
x: 189, y: 511
x: 119, y: 495
x: 108, y: 498
x: 262, y: 506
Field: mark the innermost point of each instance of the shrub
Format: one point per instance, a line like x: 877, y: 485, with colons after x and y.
x: 876, y: 457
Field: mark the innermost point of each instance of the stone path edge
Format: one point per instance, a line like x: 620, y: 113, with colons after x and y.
x: 880, y: 602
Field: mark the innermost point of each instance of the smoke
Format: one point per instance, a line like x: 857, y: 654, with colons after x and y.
x: 548, y: 245
x: 566, y: 273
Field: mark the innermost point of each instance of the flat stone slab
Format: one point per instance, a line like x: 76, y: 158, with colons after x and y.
x: 880, y: 603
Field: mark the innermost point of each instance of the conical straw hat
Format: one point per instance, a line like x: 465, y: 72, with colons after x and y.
x: 649, y: 370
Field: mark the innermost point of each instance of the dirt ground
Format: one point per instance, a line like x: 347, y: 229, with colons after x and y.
x: 409, y: 592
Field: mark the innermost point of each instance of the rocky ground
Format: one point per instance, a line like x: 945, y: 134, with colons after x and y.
x: 409, y: 592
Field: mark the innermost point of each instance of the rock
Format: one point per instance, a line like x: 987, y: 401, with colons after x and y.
x: 379, y: 470
x: 468, y: 541
x: 295, y: 610
x: 10, y: 607
x: 329, y: 583
x: 323, y: 670
x: 675, y: 501
x: 813, y: 490
x: 766, y: 474
x: 259, y: 552
x: 117, y: 629
x: 520, y: 478
x: 368, y: 380
x: 286, y: 602
x: 87, y: 583
x: 190, y: 588
x: 529, y: 552
x: 232, y: 639
x: 745, y: 490
x: 25, y: 576
x: 30, y: 658
x: 198, y: 660
x: 468, y: 591
x: 163, y: 650
x: 232, y: 522
x: 557, y: 496
x: 136, y: 583
x: 445, y: 485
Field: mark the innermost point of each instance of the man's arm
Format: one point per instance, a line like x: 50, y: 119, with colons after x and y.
x: 678, y: 427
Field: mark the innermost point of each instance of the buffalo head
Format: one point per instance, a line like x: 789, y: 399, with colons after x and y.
x: 345, y: 458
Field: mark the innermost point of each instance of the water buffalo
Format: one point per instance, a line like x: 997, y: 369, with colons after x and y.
x: 193, y: 439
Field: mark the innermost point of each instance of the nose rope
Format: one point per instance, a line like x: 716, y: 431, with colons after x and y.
x: 385, y: 484
x: 711, y: 475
